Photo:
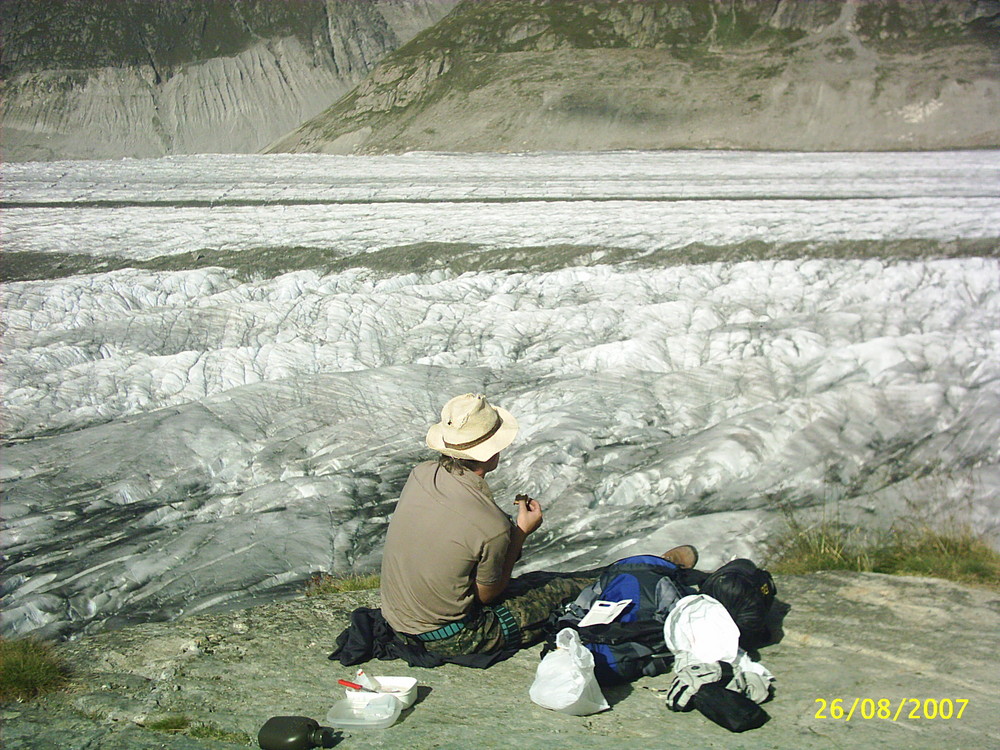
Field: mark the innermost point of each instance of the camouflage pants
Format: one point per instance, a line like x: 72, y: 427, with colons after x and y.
x: 518, y: 619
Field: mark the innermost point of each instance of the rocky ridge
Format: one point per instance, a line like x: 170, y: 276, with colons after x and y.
x: 606, y: 74
x: 141, y: 79
x: 923, y: 644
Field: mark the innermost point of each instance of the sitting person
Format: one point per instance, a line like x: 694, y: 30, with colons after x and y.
x: 450, y: 550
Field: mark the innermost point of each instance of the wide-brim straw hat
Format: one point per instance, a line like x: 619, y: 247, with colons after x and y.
x: 471, y: 427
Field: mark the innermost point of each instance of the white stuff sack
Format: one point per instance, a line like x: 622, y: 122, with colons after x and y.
x: 564, y: 680
x: 699, y: 630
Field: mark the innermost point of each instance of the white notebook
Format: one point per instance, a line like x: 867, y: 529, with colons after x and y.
x: 603, y: 612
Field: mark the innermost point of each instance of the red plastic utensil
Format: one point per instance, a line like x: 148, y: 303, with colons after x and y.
x: 355, y: 686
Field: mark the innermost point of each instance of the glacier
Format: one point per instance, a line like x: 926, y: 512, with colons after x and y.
x: 189, y: 439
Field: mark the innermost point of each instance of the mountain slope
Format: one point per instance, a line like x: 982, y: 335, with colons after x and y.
x: 611, y: 74
x: 153, y: 77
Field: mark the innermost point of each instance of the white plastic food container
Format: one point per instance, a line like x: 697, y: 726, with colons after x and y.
x: 403, y: 689
x: 379, y: 712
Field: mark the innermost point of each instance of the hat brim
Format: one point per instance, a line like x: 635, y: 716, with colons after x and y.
x: 485, y: 450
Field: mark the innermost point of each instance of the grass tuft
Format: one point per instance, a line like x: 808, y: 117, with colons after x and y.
x: 29, y: 668
x: 171, y: 723
x: 824, y: 547
x: 181, y: 724
x: 212, y: 732
x: 324, y: 583
x: 955, y: 553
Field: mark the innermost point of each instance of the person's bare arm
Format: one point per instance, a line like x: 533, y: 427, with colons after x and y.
x: 529, y: 518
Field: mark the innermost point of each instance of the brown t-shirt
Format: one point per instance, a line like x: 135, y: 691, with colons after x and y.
x: 445, y: 534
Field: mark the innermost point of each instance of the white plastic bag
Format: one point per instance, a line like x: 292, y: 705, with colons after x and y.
x: 564, y: 680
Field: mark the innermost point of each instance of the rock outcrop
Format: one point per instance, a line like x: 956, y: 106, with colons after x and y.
x: 916, y: 654
x: 143, y: 79
x: 743, y: 74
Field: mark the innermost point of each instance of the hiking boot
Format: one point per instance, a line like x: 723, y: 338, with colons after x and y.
x: 684, y: 556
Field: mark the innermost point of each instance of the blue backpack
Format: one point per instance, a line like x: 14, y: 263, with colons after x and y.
x: 632, y: 646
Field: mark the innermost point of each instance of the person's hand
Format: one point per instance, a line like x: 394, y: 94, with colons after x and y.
x: 529, y: 514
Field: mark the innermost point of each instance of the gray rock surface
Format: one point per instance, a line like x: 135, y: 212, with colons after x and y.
x: 846, y: 636
x: 144, y: 78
